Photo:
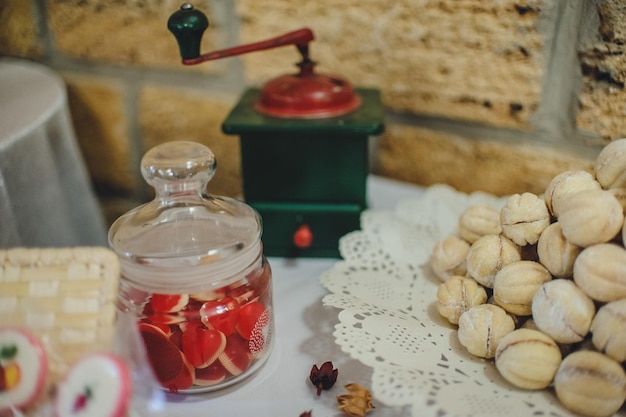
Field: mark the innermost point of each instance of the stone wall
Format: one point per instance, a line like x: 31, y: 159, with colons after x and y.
x: 493, y: 95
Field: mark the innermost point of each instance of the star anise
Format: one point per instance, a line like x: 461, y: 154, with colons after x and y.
x: 323, y: 377
x: 306, y: 414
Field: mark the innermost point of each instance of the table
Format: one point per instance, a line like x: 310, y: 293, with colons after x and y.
x: 304, y: 327
x: 45, y: 193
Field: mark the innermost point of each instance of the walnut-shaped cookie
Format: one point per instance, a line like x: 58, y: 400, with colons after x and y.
x: 610, y: 166
x: 563, y: 311
x: 448, y: 257
x: 600, y: 271
x: 590, y: 217
x: 515, y: 286
x: 477, y: 221
x: 556, y: 253
x: 590, y: 383
x: 457, y: 295
x: 608, y: 330
x: 523, y: 218
x: 528, y: 358
x: 565, y: 184
x: 488, y: 255
x: 482, y: 327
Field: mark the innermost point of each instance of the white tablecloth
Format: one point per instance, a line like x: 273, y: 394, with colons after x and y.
x: 45, y: 194
x: 281, y: 388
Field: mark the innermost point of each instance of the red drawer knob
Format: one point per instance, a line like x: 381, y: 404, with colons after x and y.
x: 303, y: 237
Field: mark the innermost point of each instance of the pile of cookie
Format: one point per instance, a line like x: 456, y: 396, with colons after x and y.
x: 539, y: 285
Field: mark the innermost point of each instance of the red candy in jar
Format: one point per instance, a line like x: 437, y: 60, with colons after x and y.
x: 194, y: 273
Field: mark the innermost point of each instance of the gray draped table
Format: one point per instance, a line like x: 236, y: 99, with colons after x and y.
x: 46, y: 197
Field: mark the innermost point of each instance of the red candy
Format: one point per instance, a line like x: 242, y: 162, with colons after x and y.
x: 220, y: 315
x: 172, y: 369
x: 211, y: 375
x: 166, y: 303
x: 253, y: 325
x: 236, y: 357
x: 250, y: 316
x: 202, y: 346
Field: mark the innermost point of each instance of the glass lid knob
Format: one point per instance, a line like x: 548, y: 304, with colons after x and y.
x: 179, y: 162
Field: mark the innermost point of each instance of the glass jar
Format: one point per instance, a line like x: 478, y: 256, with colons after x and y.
x: 194, y: 273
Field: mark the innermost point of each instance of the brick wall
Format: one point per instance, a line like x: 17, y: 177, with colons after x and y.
x: 496, y: 95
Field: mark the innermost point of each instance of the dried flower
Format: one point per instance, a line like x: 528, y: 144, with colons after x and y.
x: 324, y: 377
x: 357, y: 402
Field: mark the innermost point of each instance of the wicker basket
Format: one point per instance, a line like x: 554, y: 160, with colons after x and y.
x: 64, y: 295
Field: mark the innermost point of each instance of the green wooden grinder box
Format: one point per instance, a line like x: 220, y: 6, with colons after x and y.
x: 304, y: 145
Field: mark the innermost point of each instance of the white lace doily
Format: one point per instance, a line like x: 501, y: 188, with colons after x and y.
x: 388, y: 319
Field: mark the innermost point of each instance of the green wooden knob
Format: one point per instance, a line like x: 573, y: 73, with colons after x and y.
x: 188, y: 24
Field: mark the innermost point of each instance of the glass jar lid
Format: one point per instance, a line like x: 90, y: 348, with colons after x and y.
x: 183, y: 226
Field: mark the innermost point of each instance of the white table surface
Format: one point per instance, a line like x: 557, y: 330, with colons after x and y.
x: 304, y: 327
